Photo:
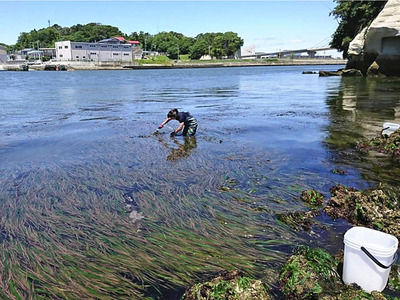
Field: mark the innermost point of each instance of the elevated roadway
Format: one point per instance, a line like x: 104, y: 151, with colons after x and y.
x: 284, y: 53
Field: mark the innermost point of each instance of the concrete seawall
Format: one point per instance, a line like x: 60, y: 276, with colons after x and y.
x: 80, y: 65
x: 283, y: 62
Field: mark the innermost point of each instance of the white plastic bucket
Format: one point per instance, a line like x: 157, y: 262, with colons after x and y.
x: 368, y: 257
x: 389, y: 128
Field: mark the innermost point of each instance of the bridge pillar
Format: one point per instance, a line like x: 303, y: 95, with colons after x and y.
x: 311, y: 53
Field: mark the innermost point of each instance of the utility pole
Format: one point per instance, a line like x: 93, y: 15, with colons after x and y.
x: 38, y: 44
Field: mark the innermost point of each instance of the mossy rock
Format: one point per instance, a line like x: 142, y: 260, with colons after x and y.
x: 373, y: 208
x: 303, y: 220
x: 394, y: 278
x: 339, y: 171
x: 307, y: 273
x: 312, y: 274
x: 298, y: 220
x: 312, y: 197
x: 384, y: 144
x: 231, y: 285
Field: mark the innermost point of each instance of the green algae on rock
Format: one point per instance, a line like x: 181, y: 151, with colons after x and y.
x: 303, y: 220
x: 312, y: 274
x: 312, y: 197
x: 384, y: 144
x: 228, y: 286
x: 307, y: 273
x: 339, y: 171
x: 298, y: 220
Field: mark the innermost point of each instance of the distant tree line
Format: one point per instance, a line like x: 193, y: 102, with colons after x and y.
x: 170, y: 43
x: 352, y: 17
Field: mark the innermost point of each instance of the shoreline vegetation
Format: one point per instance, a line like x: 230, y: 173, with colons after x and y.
x: 169, y: 64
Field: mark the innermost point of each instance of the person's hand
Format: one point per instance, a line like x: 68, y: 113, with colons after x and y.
x: 161, y: 126
x: 172, y: 133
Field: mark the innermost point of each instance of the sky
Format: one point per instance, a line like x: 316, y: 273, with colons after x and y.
x: 268, y: 26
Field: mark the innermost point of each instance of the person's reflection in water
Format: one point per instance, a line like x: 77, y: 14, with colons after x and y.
x: 184, y: 150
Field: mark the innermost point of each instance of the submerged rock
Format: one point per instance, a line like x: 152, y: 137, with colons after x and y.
x: 303, y: 220
x: 330, y: 73
x: 351, y: 73
x: 339, y: 171
x: 384, y: 144
x: 298, y: 220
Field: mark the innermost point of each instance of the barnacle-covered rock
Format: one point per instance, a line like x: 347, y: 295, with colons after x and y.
x: 374, y: 208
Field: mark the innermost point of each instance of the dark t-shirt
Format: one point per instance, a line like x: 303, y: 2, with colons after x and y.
x: 185, y: 117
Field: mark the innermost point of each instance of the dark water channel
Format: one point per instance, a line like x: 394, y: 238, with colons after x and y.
x: 83, y: 175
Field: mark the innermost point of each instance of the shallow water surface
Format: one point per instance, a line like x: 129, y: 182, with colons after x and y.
x: 83, y: 174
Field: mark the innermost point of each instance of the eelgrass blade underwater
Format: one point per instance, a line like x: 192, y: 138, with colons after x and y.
x: 68, y: 224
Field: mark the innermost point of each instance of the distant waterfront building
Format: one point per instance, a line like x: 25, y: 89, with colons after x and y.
x: 249, y: 52
x: 113, y: 49
x: 3, y: 55
x: 49, y: 52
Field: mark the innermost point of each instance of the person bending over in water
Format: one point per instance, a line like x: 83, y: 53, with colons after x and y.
x: 186, y: 121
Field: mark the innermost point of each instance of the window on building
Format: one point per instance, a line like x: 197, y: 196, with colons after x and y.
x: 126, y: 54
x: 115, y: 46
x: 115, y: 53
x: 93, y: 53
x: 59, y: 47
x: 78, y: 47
x: 93, y: 46
x: 65, y: 47
x: 77, y: 57
x: 61, y: 55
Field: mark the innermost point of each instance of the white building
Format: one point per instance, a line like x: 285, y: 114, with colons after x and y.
x: 115, y: 49
x: 3, y: 55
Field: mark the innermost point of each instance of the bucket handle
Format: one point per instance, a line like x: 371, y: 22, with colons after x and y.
x: 377, y: 261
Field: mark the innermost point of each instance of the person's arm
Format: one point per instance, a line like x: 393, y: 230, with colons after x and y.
x: 165, y: 122
x: 180, y: 127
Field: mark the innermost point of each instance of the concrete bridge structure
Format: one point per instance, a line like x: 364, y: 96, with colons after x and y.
x: 284, y: 53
